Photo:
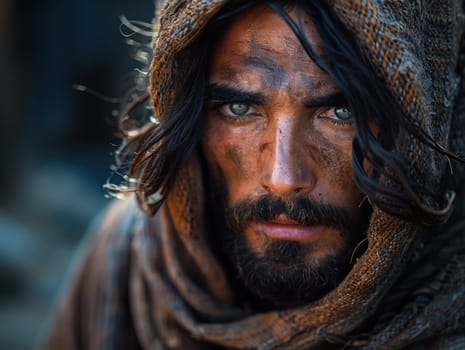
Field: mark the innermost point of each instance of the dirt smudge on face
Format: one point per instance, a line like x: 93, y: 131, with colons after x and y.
x: 258, y: 57
x: 233, y: 154
x: 264, y: 146
x: 338, y: 163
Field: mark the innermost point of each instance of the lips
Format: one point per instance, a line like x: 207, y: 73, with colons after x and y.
x: 283, y: 228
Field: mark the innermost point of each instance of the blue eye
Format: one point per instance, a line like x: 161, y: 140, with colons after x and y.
x: 343, y: 113
x: 339, y: 115
x: 238, y: 108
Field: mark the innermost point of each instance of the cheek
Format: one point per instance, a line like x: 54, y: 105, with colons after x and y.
x: 335, y: 150
x: 231, y: 154
x: 337, y: 163
x: 338, y: 176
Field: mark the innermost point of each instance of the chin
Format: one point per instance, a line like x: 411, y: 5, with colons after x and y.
x: 289, y: 273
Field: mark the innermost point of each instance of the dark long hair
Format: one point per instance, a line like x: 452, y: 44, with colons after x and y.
x: 161, y: 149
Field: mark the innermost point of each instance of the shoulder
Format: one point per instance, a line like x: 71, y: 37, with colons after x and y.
x: 97, y: 290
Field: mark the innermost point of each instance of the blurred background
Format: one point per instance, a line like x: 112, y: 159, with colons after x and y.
x: 56, y: 143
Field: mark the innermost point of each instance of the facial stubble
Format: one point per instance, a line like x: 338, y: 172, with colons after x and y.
x: 284, y: 273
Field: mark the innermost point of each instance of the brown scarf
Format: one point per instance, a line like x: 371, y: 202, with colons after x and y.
x: 401, y: 291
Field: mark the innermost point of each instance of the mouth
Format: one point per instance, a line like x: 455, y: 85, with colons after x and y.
x: 283, y: 228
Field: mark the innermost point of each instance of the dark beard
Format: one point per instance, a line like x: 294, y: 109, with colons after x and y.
x: 282, y: 275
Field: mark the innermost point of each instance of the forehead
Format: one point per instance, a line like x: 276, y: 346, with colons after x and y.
x: 262, y: 21
x: 260, y: 41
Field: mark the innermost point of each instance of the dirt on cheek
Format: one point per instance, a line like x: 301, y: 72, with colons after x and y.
x: 240, y: 164
x: 232, y: 154
x: 339, y: 166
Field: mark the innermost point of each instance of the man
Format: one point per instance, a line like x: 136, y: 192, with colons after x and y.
x: 297, y: 192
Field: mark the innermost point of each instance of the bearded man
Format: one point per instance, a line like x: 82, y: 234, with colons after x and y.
x: 298, y: 192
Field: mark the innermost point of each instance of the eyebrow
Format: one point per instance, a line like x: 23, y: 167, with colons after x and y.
x: 332, y: 99
x: 222, y: 92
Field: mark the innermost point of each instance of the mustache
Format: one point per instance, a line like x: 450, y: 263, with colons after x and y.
x: 304, y: 210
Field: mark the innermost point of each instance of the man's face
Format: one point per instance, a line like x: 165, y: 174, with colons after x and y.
x: 277, y: 143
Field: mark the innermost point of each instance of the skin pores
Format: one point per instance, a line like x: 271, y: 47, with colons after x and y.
x: 276, y: 125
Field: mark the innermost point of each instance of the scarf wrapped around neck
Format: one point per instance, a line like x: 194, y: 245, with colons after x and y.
x: 399, y: 293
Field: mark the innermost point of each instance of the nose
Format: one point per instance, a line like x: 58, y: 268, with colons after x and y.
x: 286, y: 168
